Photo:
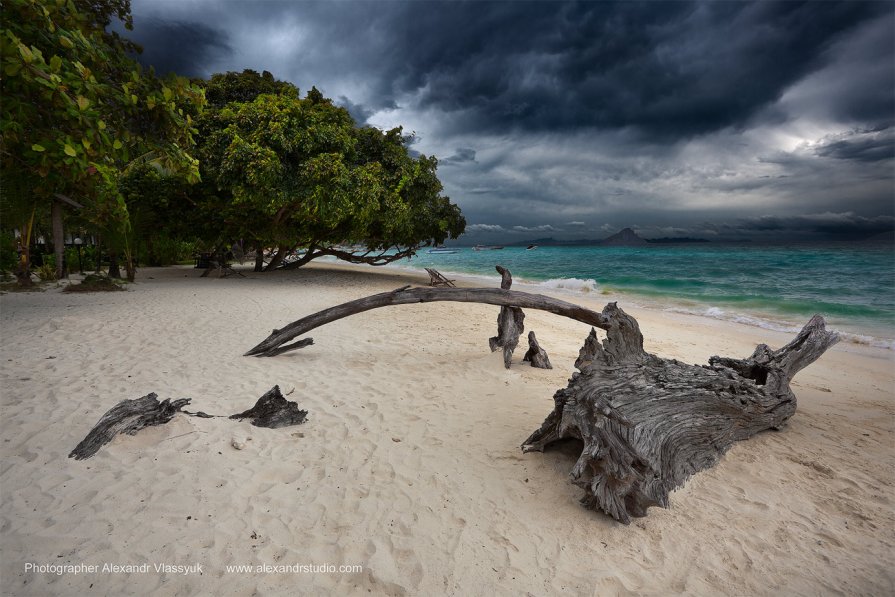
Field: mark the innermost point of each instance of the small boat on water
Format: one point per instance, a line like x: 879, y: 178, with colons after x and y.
x: 442, y: 251
x: 487, y: 248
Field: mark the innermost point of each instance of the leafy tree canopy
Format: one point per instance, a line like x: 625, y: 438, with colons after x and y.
x: 298, y: 173
x: 77, y: 110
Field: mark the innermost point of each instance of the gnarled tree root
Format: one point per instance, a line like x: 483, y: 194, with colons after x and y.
x: 648, y: 423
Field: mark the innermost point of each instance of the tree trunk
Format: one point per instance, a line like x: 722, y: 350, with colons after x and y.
x: 98, y: 254
x: 114, y: 270
x: 23, y: 268
x: 259, y: 257
x: 277, y: 259
x: 58, y: 239
x: 648, y: 423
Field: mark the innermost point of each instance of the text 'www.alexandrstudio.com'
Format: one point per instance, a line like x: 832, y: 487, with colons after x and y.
x: 196, y: 568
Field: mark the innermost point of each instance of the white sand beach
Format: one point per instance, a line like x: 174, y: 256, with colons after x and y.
x: 409, y: 469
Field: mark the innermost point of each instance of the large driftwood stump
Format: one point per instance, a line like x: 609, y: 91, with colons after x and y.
x: 128, y: 416
x: 648, y: 423
x: 273, y: 411
x: 510, y: 323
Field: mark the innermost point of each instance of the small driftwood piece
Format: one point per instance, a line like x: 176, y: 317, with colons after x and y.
x: 536, y: 355
x: 510, y: 323
x: 278, y: 341
x: 647, y: 423
x: 273, y: 411
x: 436, y: 278
x: 128, y: 416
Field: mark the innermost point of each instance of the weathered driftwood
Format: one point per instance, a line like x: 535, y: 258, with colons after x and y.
x: 436, y: 278
x: 648, y: 423
x: 274, y: 411
x: 128, y: 416
x: 536, y: 355
x: 510, y: 323
x: 278, y: 341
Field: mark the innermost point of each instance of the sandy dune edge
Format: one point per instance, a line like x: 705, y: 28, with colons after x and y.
x: 409, y: 465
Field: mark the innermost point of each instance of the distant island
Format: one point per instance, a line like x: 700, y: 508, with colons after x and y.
x: 623, y: 238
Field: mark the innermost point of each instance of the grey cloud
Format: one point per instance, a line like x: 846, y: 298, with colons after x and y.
x: 485, y: 228
x: 541, y: 228
x: 861, y: 145
x: 463, y: 154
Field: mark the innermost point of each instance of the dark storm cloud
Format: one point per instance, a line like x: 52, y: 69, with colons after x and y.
x: 865, y: 146
x: 653, y: 114
x: 667, y: 69
x: 183, y: 47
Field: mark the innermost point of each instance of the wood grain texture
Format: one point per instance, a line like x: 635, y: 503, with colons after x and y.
x: 128, y: 416
x: 536, y: 355
x: 647, y: 424
x: 510, y: 323
x: 272, y: 410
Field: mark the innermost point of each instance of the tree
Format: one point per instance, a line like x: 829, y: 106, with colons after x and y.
x: 77, y: 111
x: 294, y: 172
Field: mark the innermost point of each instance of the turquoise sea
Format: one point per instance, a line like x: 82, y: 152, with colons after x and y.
x: 779, y: 287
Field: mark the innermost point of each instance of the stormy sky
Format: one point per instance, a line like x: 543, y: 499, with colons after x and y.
x: 718, y: 120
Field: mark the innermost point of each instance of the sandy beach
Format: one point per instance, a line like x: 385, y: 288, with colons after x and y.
x: 407, y: 478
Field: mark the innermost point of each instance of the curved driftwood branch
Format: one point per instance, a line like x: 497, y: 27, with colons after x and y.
x: 647, y: 423
x: 277, y: 342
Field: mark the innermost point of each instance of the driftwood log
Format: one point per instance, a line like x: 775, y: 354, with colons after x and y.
x: 279, y: 340
x: 647, y: 423
x: 130, y: 416
x: 273, y: 411
x: 510, y: 323
x: 536, y: 355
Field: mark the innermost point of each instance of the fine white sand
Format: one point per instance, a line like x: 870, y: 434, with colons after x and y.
x: 409, y: 465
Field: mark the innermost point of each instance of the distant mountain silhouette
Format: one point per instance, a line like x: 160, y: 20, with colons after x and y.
x: 624, y: 238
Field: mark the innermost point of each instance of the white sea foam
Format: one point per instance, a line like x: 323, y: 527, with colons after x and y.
x: 571, y: 285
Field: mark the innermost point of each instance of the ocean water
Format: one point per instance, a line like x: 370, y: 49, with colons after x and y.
x: 778, y: 287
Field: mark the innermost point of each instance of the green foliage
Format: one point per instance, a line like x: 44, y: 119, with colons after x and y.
x: 225, y: 88
x: 9, y: 258
x: 77, y: 111
x: 47, y: 271
x: 297, y: 172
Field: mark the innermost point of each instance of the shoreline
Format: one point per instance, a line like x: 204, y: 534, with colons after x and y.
x: 773, y: 287
x: 409, y: 465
